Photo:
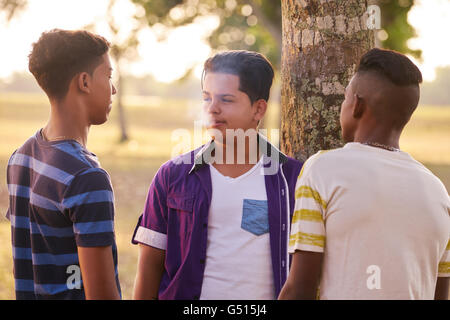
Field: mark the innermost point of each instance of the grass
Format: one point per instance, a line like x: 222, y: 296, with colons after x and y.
x: 132, y: 165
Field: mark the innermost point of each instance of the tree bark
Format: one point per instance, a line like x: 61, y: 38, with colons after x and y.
x: 322, y: 44
x: 119, y: 95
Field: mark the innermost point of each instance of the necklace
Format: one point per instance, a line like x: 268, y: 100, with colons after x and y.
x: 379, y: 145
x: 59, y: 138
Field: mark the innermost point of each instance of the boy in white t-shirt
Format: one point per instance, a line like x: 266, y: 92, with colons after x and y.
x: 216, y: 220
x: 370, y: 222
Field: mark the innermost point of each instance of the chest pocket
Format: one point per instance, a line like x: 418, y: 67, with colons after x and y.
x: 255, y: 216
x: 181, y: 202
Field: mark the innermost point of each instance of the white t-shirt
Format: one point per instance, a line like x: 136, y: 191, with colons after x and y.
x: 238, y: 260
x: 380, y: 217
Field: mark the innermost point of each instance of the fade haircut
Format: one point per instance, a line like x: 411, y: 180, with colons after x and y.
x: 400, y: 94
x: 255, y: 72
x: 59, y: 55
x: 391, y: 65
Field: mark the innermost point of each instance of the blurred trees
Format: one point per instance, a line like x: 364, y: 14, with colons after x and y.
x: 256, y: 24
x: 12, y: 7
x: 244, y: 24
x: 123, y: 49
x: 396, y: 31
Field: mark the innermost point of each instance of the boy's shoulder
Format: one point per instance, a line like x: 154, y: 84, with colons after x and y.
x: 325, y: 160
x: 66, y: 159
x: 180, y: 163
x: 177, y: 167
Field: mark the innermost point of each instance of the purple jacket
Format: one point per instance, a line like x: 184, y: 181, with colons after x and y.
x: 175, y: 217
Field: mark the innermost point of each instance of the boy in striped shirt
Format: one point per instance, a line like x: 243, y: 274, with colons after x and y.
x: 370, y: 222
x: 61, y: 201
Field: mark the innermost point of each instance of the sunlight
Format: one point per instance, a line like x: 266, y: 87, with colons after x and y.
x: 431, y: 19
x: 168, y: 60
x: 184, y: 48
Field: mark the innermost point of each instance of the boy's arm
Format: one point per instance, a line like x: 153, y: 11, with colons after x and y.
x: 97, y: 270
x: 307, y: 235
x: 304, y: 276
x: 89, y: 203
x: 441, y: 292
x: 149, y: 273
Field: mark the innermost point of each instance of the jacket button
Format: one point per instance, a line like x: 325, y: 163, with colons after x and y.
x: 202, y: 261
x: 196, y: 297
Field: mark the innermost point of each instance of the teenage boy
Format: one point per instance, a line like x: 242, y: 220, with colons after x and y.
x: 371, y: 222
x: 216, y: 220
x: 61, y: 200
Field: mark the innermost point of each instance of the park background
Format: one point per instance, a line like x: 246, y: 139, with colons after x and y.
x: 160, y: 87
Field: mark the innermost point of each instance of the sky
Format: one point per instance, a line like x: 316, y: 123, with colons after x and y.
x: 185, y: 47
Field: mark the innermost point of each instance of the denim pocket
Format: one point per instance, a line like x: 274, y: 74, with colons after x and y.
x: 255, y: 217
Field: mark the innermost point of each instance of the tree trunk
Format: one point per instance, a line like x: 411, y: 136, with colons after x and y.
x: 322, y: 44
x: 122, y: 121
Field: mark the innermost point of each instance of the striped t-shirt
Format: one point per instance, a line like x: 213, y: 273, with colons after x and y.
x: 381, y: 220
x: 59, y: 199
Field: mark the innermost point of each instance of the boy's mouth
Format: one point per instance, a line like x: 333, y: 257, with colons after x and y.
x: 213, y: 123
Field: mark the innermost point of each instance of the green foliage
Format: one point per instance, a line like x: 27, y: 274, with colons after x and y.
x: 250, y: 24
x: 238, y: 31
x: 245, y: 25
x: 394, y: 20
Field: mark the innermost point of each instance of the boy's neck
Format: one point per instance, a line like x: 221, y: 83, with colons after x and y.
x: 240, y: 161
x: 66, y: 123
x: 379, y: 136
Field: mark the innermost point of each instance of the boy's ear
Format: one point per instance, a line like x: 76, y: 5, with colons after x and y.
x: 260, y: 109
x: 359, y: 106
x: 84, y: 82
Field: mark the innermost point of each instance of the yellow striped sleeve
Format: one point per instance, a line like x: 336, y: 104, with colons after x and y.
x: 308, y: 192
x: 301, y: 172
x: 444, y: 268
x: 307, y: 215
x: 444, y: 264
x: 307, y: 239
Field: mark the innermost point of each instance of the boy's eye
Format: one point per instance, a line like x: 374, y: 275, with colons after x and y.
x: 227, y: 100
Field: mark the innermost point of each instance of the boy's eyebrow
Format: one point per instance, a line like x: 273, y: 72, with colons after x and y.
x: 220, y: 95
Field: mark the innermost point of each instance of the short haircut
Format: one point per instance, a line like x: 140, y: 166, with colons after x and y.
x: 399, y: 96
x: 255, y: 72
x: 59, y: 55
x: 396, y: 67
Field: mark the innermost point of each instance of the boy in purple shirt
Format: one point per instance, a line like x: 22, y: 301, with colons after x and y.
x: 224, y: 206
